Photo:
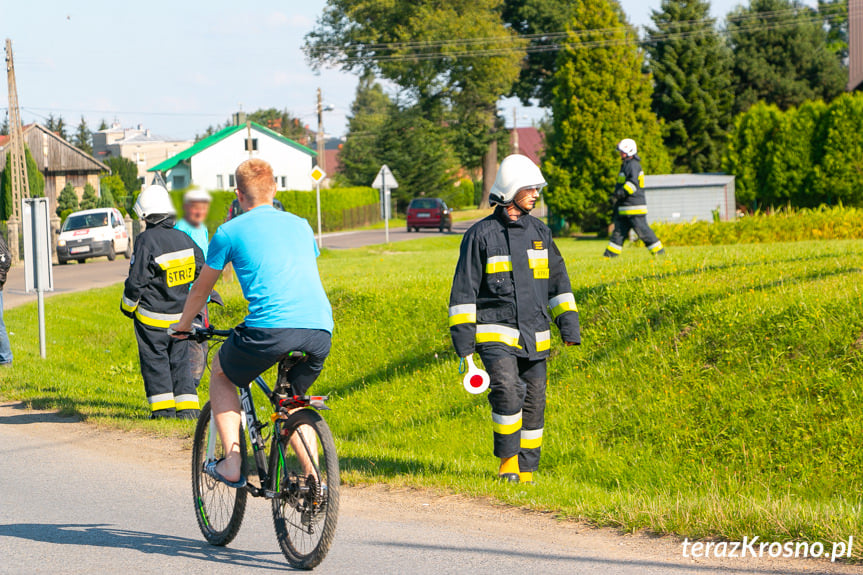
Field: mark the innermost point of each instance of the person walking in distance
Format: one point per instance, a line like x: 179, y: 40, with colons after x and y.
x: 196, y: 206
x: 510, y: 281
x: 5, y: 265
x: 630, y: 204
x: 164, y: 264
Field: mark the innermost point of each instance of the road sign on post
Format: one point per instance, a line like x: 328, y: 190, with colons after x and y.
x: 38, y: 274
x: 384, y: 182
x: 318, y: 176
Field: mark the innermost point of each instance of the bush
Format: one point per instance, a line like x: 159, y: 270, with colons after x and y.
x: 340, y: 207
x: 459, y: 195
x: 68, y: 201
x: 825, y: 223
x: 804, y: 157
x: 89, y: 200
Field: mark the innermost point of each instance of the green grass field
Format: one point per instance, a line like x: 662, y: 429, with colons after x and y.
x: 717, y: 393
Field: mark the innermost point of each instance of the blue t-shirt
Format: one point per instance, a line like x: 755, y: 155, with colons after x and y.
x: 199, y: 235
x: 275, y: 258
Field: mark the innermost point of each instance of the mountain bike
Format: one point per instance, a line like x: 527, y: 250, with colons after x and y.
x: 299, y: 472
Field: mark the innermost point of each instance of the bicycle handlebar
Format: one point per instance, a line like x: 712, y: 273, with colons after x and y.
x: 201, y: 334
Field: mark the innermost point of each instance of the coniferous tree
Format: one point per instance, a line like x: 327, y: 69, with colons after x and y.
x: 601, y: 96
x: 103, y: 125
x: 83, y: 137
x: 691, y: 67
x: 360, y: 154
x: 89, y: 199
x: 781, y: 55
x: 68, y: 200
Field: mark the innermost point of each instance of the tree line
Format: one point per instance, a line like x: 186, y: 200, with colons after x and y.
x: 679, y: 89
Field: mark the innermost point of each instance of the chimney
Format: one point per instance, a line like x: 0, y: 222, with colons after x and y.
x: 239, y: 118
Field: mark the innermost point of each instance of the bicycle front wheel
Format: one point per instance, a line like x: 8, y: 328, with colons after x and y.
x: 306, y: 509
x: 218, y: 508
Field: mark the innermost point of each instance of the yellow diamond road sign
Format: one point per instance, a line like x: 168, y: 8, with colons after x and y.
x: 318, y: 174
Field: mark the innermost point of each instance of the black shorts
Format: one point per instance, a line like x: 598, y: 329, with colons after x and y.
x: 250, y: 351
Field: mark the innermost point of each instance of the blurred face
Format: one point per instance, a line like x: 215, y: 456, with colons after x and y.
x: 196, y: 212
x: 623, y: 156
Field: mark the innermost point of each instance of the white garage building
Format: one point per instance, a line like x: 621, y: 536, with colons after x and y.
x: 210, y: 163
x: 678, y: 198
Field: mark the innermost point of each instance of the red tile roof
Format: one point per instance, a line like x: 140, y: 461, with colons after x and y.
x: 531, y: 143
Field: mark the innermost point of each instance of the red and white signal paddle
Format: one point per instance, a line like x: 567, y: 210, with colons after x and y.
x: 476, y: 380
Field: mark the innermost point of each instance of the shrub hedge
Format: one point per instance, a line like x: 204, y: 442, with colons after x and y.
x: 340, y: 207
x: 824, y: 223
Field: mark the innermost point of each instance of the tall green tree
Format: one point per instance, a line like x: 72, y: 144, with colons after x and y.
x: 835, y: 14
x: 34, y: 178
x: 360, y: 158
x: 417, y: 151
x: 126, y: 170
x: 781, y: 55
x: 543, y: 20
x: 601, y: 96
x: 103, y: 125
x: 691, y: 67
x: 114, y: 188
x: 4, y: 127
x: 412, y: 43
x: 67, y: 201
x: 83, y: 138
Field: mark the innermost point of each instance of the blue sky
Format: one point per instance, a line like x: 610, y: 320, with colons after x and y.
x: 179, y: 66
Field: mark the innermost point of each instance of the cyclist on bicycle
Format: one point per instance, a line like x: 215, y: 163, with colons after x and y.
x: 274, y: 257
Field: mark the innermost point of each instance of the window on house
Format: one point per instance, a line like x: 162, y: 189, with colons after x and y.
x: 220, y: 182
x: 254, y: 145
x: 284, y: 182
x: 178, y: 182
x: 231, y: 183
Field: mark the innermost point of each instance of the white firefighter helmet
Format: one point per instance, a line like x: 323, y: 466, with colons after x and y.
x: 516, y: 173
x: 154, y: 201
x: 628, y: 147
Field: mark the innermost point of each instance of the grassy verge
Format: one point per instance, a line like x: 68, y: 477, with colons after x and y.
x: 717, y: 392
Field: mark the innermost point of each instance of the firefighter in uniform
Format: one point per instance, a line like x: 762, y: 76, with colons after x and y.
x: 164, y: 264
x: 630, y: 204
x: 510, y: 281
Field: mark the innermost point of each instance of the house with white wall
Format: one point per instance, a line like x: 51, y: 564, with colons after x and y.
x: 210, y: 164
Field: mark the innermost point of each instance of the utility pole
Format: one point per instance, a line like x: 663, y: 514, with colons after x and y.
x: 515, y: 149
x: 320, y: 134
x: 18, y: 162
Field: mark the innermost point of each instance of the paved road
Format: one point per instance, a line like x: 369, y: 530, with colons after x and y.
x: 69, y: 278
x: 78, y: 500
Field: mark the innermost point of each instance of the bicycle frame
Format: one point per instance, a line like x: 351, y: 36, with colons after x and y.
x: 252, y: 426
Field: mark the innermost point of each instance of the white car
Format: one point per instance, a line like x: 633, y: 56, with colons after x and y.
x: 93, y: 233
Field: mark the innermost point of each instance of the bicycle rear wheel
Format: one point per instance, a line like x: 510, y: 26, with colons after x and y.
x: 218, y: 508
x: 307, y: 479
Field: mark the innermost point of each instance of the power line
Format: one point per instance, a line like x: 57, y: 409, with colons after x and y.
x: 813, y: 16
x: 538, y: 48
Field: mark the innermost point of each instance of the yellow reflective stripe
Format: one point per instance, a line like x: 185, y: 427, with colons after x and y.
x: 498, y: 264
x: 128, y: 305
x: 187, y: 401
x: 161, y: 401
x: 543, y: 341
x: 537, y: 258
x: 633, y: 210
x: 492, y: 333
x: 175, y: 259
x: 630, y: 187
x: 154, y: 319
x: 561, y: 304
x: 531, y: 438
x: 641, y: 179
x: 464, y: 313
x: 653, y: 248
x: 506, y: 424
x: 614, y: 248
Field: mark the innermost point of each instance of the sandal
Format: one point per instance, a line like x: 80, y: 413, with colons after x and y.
x: 210, y: 469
